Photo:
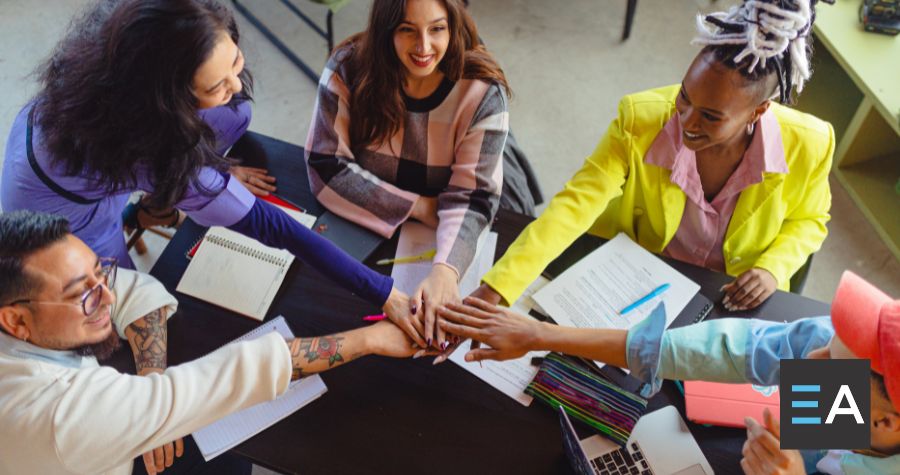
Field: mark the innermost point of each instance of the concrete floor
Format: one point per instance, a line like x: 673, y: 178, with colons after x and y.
x: 566, y: 66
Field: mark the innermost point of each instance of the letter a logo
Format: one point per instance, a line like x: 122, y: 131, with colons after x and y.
x: 825, y: 404
x: 844, y: 393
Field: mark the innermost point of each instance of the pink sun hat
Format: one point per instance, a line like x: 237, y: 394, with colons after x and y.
x: 868, y: 321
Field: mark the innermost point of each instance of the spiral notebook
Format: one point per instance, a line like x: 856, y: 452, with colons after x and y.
x: 235, y: 272
x: 234, y: 429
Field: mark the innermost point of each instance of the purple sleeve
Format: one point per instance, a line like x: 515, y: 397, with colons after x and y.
x: 272, y: 227
x: 224, y: 201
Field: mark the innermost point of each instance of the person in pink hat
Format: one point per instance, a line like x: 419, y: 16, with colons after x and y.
x: 864, y: 323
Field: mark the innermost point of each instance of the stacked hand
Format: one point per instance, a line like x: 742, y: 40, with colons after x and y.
x: 389, y: 340
x: 484, y: 293
x: 417, y: 315
x: 508, y: 334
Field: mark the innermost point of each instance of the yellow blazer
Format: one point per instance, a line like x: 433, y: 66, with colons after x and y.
x: 776, y: 224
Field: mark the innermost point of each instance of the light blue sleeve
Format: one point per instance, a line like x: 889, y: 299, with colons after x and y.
x: 770, y: 342
x: 727, y: 350
x: 860, y: 464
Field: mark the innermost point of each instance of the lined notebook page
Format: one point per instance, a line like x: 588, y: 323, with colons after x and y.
x: 234, y: 429
x: 235, y: 272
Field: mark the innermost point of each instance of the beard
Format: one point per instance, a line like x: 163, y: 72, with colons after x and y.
x: 102, y: 349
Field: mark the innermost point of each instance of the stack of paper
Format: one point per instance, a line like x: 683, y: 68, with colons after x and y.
x: 591, y: 293
x: 231, y: 430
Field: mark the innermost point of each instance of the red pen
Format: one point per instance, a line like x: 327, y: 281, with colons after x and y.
x: 374, y: 318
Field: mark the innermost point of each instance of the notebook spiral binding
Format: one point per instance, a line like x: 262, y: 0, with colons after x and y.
x: 263, y: 256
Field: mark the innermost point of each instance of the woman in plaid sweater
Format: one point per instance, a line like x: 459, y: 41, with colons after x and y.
x: 410, y: 122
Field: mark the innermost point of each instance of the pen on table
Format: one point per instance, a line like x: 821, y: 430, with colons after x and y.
x: 295, y: 205
x: 425, y: 256
x: 644, y: 299
x: 374, y: 318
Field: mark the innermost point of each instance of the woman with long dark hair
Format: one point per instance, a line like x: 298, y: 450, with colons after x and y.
x: 146, y: 95
x: 410, y: 123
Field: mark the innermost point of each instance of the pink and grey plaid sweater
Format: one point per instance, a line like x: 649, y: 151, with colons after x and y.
x: 450, y: 146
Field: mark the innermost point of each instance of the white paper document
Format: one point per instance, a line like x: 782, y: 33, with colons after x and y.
x: 510, y: 377
x: 305, y: 219
x: 592, y: 292
x: 234, y: 429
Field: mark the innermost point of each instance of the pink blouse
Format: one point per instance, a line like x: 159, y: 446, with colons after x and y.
x: 704, y: 223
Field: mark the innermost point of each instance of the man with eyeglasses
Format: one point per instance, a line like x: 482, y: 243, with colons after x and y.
x: 62, y: 309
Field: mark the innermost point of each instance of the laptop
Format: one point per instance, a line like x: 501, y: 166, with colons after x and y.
x: 660, y: 444
x: 727, y: 405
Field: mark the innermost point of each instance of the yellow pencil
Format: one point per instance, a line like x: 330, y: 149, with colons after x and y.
x: 425, y: 256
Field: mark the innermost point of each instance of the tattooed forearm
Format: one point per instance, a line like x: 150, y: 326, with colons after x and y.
x: 148, y: 339
x: 309, y: 355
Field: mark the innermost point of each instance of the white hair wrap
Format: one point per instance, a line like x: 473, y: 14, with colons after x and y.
x: 766, y: 29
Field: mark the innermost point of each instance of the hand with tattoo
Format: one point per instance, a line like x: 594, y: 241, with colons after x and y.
x: 316, y: 354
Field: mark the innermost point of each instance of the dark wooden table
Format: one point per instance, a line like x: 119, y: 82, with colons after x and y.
x: 390, y: 416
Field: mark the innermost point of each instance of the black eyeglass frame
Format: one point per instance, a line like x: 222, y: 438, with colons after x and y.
x: 90, y: 300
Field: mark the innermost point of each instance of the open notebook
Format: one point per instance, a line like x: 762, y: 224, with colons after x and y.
x: 232, y: 430
x: 235, y: 272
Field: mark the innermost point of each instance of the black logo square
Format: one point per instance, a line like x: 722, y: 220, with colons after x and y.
x: 825, y: 404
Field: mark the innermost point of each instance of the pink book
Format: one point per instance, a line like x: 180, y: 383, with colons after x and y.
x: 727, y: 405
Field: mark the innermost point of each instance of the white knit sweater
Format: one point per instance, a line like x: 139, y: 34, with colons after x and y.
x: 61, y: 413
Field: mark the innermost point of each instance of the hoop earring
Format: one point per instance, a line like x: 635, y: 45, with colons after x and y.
x: 751, y: 127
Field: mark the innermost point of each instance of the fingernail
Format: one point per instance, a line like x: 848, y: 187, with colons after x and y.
x: 437, y: 361
x: 726, y: 300
x: 428, y: 342
x: 413, y: 309
x: 419, y: 354
x: 444, y: 345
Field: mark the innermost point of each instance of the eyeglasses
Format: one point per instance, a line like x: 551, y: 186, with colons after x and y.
x: 90, y: 300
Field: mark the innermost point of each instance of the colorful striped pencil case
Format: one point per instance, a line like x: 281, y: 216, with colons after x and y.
x: 564, y: 381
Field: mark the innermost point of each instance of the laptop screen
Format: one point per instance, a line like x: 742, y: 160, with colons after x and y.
x: 577, y: 458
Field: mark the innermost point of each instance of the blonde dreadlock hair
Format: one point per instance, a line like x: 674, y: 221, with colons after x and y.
x: 763, y: 37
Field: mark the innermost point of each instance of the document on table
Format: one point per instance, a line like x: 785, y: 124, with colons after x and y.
x: 416, y: 239
x: 305, y: 219
x: 234, y: 429
x: 510, y: 377
x: 591, y: 293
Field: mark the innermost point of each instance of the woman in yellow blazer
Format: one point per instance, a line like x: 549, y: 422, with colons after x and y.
x: 718, y: 117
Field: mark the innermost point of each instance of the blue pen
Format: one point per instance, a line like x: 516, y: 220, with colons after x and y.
x: 645, y: 299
